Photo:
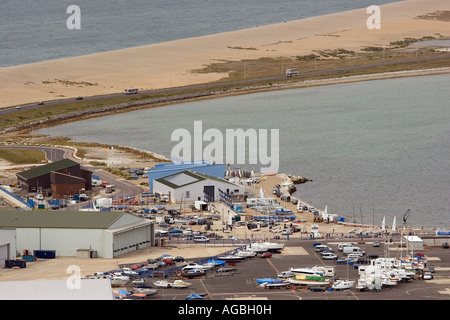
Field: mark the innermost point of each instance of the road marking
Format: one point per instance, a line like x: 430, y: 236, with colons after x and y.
x: 201, y: 281
x: 271, y: 264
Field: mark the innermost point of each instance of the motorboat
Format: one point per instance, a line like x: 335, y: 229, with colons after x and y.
x: 342, y: 284
x: 180, y: 284
x: 361, y: 284
x: 246, y: 253
x: 260, y: 247
x: 309, y: 280
x: 147, y: 291
x: 233, y: 258
x: 162, y: 284
x: 216, y: 263
x: 192, y: 273
x: 270, y: 282
x: 193, y: 266
x: 306, y: 272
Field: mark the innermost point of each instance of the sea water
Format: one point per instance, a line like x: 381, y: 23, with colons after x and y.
x: 33, y: 31
x: 372, y: 149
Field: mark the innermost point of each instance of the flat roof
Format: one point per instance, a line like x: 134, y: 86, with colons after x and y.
x: 58, y: 219
x: 186, y: 177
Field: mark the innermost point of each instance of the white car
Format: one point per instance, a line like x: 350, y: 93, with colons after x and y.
x: 138, y: 281
x: 39, y: 197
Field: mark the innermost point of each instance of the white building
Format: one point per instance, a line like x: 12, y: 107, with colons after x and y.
x: 190, y: 186
x: 414, y: 243
x: 108, y: 234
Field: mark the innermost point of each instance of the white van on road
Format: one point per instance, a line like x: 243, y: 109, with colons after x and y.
x: 200, y: 239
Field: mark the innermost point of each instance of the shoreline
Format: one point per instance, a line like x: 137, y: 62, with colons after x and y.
x: 104, y: 73
x: 179, y: 99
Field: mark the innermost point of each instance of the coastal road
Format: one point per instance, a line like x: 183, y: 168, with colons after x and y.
x: 7, y: 110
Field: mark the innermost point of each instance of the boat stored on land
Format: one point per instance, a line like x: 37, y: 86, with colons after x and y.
x: 342, y: 284
x: 180, y: 284
x: 309, y: 280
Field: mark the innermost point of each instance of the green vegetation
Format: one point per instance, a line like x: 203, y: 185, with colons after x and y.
x: 253, y: 72
x: 22, y: 156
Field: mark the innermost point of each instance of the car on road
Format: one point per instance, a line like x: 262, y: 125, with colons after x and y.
x: 265, y: 255
x: 376, y: 243
x: 138, y: 281
x: 445, y: 245
x: 18, y: 107
x: 79, y: 98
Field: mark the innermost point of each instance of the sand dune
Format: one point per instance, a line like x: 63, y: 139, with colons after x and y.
x: 169, y: 64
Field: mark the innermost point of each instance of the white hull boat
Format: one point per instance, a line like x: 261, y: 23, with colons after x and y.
x: 306, y: 272
x: 343, y: 284
x: 162, y: 284
x: 266, y: 246
x: 180, y: 284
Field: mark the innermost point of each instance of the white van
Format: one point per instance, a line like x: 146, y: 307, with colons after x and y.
x: 329, y: 256
x: 200, y: 239
x: 341, y: 246
x: 357, y: 250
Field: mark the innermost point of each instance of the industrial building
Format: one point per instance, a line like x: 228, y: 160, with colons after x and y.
x: 59, y: 178
x: 190, y: 186
x: 166, y: 169
x: 105, y: 234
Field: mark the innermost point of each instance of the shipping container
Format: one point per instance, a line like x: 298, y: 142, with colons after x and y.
x: 15, y: 263
x: 46, y: 254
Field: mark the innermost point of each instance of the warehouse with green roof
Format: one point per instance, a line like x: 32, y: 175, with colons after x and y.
x: 107, y: 233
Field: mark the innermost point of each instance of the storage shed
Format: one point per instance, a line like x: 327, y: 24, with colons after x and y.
x: 414, y: 243
x: 107, y: 233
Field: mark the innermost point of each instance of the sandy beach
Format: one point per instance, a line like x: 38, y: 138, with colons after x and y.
x: 162, y: 66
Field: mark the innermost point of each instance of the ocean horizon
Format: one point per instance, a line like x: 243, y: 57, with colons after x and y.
x: 35, y: 31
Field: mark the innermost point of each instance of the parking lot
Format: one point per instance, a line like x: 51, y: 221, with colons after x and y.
x: 301, y: 253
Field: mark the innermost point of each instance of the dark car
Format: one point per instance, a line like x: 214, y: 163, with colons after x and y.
x: 445, y: 245
x: 317, y: 289
x: 178, y: 259
x: 79, y: 98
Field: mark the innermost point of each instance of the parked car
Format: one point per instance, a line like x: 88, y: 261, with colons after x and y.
x: 265, y: 255
x: 427, y: 276
x: 178, y: 259
x: 138, y: 281
x: 317, y: 289
x: 445, y: 245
